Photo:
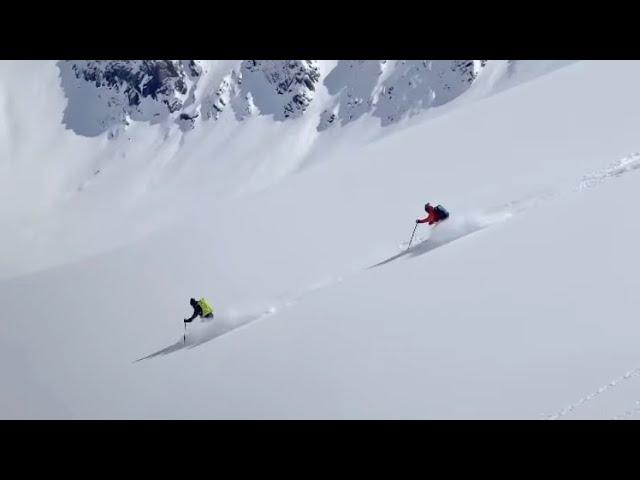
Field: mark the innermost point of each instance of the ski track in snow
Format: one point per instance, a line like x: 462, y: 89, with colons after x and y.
x: 474, y: 222
x: 592, y: 180
x: 446, y: 232
x: 207, y: 330
x: 617, y: 168
x: 612, y: 384
x: 465, y: 224
x: 198, y: 333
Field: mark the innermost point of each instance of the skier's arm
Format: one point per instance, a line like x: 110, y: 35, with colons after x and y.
x: 196, y: 311
x: 432, y: 218
x: 422, y: 220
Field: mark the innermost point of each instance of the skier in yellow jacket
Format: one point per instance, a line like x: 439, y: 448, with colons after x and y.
x: 200, y: 308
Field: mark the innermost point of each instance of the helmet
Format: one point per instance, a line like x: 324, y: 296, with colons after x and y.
x: 193, y: 302
x: 426, y: 207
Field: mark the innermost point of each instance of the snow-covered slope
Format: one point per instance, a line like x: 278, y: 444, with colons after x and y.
x: 96, y: 153
x: 521, y: 305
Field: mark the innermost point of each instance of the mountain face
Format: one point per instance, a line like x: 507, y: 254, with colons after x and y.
x: 391, y: 90
x: 106, y: 96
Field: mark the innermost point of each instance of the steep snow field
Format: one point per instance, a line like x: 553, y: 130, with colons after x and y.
x: 521, y: 305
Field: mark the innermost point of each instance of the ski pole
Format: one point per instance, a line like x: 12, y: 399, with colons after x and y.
x: 184, y: 337
x: 414, y: 232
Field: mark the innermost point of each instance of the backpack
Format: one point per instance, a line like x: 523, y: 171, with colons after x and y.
x: 206, y: 307
x: 442, y: 212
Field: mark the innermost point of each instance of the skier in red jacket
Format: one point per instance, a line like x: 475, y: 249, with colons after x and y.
x: 435, y: 215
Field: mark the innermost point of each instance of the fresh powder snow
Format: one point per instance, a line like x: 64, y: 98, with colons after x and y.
x: 286, y: 192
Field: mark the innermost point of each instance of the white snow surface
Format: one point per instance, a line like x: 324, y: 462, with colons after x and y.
x: 523, y: 304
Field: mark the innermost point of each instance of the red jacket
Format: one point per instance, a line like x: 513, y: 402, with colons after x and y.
x: 432, y: 218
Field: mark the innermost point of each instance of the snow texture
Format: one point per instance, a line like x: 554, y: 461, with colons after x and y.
x: 286, y: 192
